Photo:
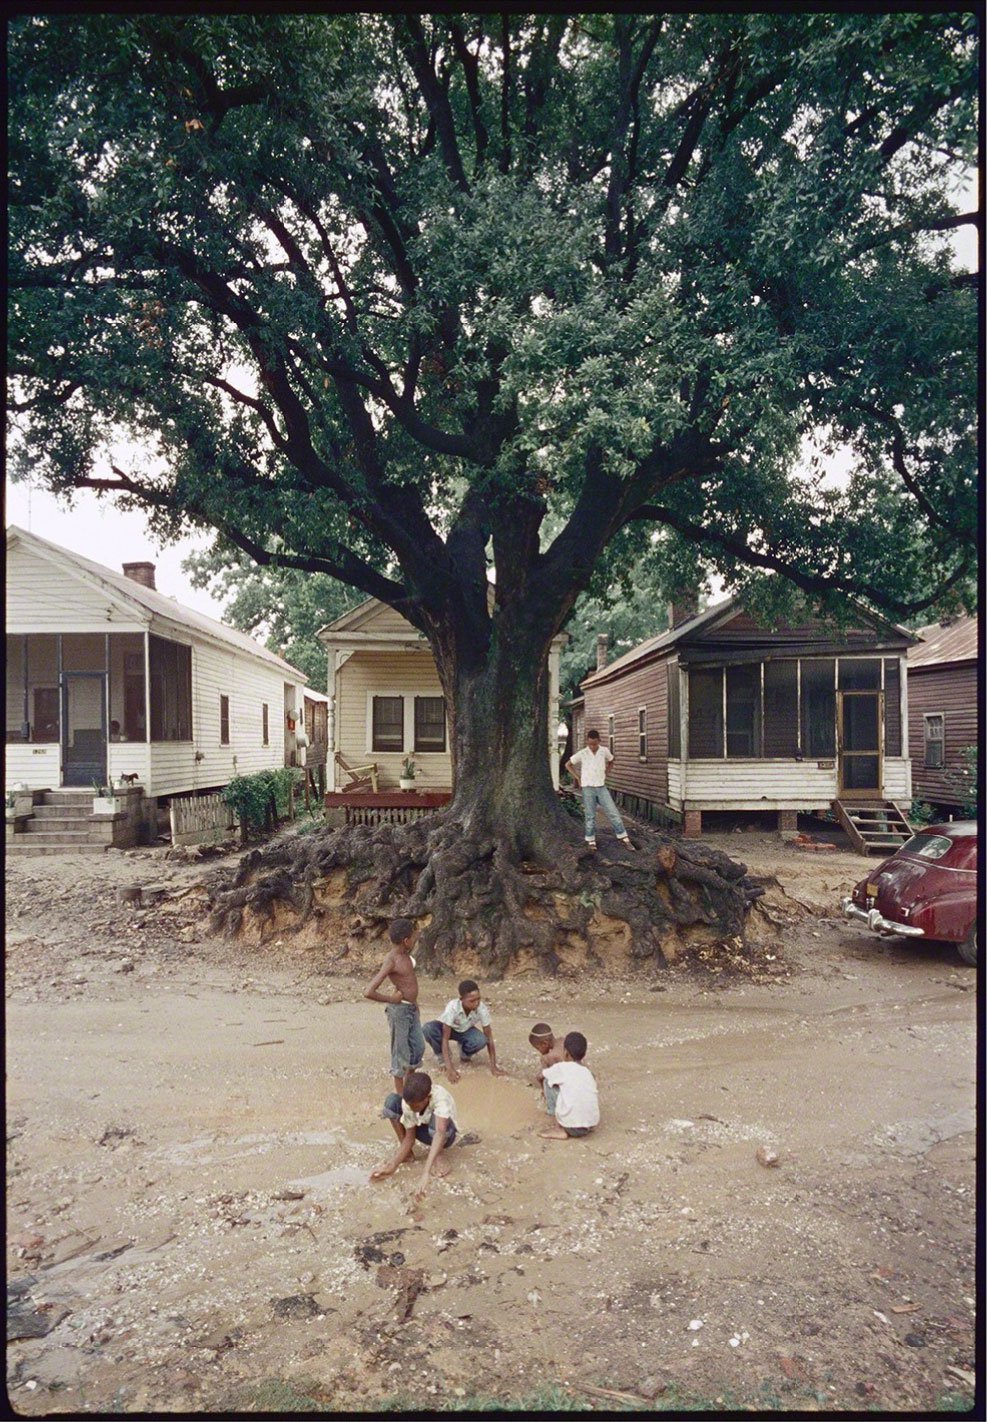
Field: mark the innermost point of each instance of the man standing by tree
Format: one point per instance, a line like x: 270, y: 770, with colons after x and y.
x: 589, y: 766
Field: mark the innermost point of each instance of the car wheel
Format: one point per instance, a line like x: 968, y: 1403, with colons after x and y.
x: 968, y: 948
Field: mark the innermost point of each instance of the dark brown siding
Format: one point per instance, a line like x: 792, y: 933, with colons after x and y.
x: 952, y: 693
x: 621, y: 699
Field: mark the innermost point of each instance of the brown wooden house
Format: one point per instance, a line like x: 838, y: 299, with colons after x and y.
x: 722, y: 713
x: 942, y: 698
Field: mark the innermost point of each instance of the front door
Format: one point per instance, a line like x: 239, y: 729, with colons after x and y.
x: 860, y: 750
x: 84, y: 728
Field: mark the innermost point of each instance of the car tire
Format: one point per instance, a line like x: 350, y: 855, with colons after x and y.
x: 968, y: 948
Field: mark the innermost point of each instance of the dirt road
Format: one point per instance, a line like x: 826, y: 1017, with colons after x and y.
x: 191, y: 1126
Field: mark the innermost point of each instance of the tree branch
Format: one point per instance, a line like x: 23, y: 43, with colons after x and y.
x: 436, y: 99
x: 808, y: 582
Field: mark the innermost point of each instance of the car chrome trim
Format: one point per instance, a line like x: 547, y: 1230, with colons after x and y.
x: 877, y: 923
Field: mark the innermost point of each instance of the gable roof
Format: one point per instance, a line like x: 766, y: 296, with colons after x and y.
x: 149, y: 600
x: 942, y: 642
x: 711, y: 617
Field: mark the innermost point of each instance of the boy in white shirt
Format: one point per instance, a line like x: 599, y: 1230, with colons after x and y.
x: 466, y: 1020
x: 570, y: 1092
x: 424, y: 1113
x: 589, y: 767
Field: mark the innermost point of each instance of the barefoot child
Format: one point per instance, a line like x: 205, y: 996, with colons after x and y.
x: 548, y: 1047
x: 466, y: 1020
x: 570, y: 1092
x: 426, y: 1113
x: 407, y: 1042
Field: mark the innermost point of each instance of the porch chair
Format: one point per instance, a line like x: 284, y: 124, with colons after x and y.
x: 361, y: 777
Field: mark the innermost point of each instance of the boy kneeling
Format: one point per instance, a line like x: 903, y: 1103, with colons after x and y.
x: 423, y: 1112
x: 570, y: 1092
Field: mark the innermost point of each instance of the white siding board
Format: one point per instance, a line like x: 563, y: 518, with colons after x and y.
x: 42, y: 597
x: 408, y: 674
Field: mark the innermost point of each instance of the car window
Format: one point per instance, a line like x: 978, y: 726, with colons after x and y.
x: 964, y: 854
x: 927, y: 846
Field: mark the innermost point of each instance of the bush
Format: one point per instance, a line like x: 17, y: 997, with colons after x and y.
x: 964, y: 780
x: 921, y: 813
x: 260, y: 800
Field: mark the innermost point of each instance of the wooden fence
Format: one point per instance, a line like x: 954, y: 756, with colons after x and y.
x: 200, y: 819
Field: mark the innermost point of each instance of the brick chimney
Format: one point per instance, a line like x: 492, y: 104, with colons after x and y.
x: 142, y: 573
x: 687, y: 606
x: 602, y: 650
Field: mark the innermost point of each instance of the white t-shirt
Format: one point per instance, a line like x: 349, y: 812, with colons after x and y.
x: 454, y: 1016
x: 592, y: 765
x: 578, y: 1103
x: 439, y: 1103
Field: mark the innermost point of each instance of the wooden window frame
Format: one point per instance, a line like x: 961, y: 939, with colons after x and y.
x: 642, y: 733
x: 386, y: 749
x: 612, y: 735
x: 429, y: 749
x: 928, y: 741
x: 224, y: 720
x: 265, y: 723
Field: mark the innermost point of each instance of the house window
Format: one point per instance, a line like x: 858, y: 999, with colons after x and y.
x: 265, y: 724
x: 171, y: 690
x: 744, y: 710
x: 706, y: 713
x: 430, y: 723
x: 642, y: 733
x: 224, y: 720
x: 781, y: 700
x: 611, y: 736
x: 892, y: 708
x: 388, y: 723
x: 46, y: 723
x: 819, y: 708
x: 935, y: 742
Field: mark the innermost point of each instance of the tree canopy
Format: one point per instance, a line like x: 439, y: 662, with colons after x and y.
x: 390, y: 297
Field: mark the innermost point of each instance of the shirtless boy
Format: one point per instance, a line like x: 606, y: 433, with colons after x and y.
x: 548, y: 1047
x: 407, y: 1042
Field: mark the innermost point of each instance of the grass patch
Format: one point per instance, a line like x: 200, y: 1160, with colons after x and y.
x: 955, y: 1402
x: 273, y: 1395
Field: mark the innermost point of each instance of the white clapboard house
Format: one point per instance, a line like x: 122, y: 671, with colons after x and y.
x: 107, y: 677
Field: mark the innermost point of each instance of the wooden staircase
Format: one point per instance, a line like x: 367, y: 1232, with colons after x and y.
x: 874, y: 826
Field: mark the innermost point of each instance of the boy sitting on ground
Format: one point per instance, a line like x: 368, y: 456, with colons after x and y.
x: 570, y: 1092
x: 548, y: 1047
x: 425, y: 1113
x: 466, y: 1020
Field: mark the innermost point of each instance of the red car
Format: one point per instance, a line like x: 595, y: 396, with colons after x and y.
x: 927, y: 890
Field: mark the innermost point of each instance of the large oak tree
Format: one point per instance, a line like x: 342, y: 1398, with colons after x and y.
x: 396, y: 298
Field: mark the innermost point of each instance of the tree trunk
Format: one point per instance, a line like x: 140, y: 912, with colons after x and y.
x: 501, y: 877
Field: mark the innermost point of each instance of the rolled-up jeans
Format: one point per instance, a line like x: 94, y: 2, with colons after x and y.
x: 594, y: 795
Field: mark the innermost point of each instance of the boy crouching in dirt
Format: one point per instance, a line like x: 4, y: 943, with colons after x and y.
x: 426, y: 1113
x: 548, y: 1047
x: 570, y: 1092
x: 466, y: 1020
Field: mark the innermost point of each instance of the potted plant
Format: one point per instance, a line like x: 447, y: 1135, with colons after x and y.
x: 105, y: 802
x: 409, y: 770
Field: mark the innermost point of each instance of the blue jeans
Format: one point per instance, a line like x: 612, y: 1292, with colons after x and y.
x: 594, y: 795
x: 393, y: 1105
x: 407, y: 1042
x: 470, y: 1042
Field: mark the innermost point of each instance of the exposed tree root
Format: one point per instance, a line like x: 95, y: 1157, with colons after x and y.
x: 474, y: 901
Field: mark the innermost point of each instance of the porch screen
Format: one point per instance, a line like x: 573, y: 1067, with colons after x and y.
x: 819, y: 708
x: 781, y: 718
x: 892, y: 707
x: 674, y: 715
x: 744, y: 710
x: 171, y: 691
x: 388, y: 723
x: 430, y: 723
x: 706, y: 713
